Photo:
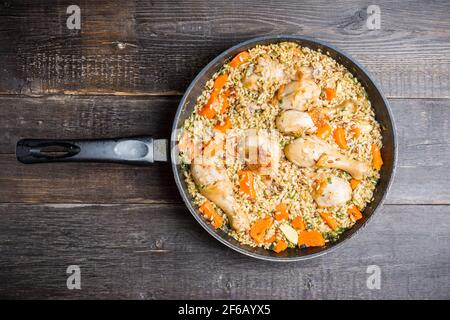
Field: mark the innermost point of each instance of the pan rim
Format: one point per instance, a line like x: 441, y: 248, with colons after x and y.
x: 174, y: 155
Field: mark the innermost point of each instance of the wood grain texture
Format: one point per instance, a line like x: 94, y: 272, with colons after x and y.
x: 155, y: 47
x: 126, y: 251
x: 422, y: 175
x: 126, y: 226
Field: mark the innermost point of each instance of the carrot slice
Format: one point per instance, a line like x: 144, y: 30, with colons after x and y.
x: 206, y: 208
x: 298, y: 224
x: 311, y: 238
x: 220, y: 82
x: 281, y: 246
x: 356, y: 132
x: 324, y: 131
x: 271, y: 239
x: 259, y: 228
x: 377, y: 161
x: 239, y: 59
x: 246, y: 186
x: 217, y: 102
x: 281, y: 212
x: 329, y: 220
x: 354, y: 213
x: 354, y: 183
x: 330, y: 93
x: 339, y: 137
x: 209, y: 109
x: 224, y: 126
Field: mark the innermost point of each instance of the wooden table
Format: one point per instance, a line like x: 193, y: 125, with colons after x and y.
x: 123, y: 74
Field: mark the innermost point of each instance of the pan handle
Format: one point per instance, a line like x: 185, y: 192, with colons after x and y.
x: 142, y: 150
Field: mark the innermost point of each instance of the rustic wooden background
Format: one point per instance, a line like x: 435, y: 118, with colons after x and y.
x: 123, y: 74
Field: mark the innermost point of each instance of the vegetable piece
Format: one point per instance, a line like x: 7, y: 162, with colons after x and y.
x: 354, y: 183
x: 298, y: 224
x: 223, y: 127
x: 259, y: 228
x: 246, y: 185
x: 271, y: 239
x: 330, y: 93
x: 206, y: 208
x: 217, y: 102
x: 339, y: 138
x: 281, y: 212
x: 329, y: 220
x: 377, y: 161
x: 324, y: 131
x: 319, y: 117
x: 311, y: 238
x: 208, y: 109
x: 290, y: 233
x: 354, y: 213
x: 239, y: 59
x: 220, y: 82
x: 356, y: 132
x: 281, y: 246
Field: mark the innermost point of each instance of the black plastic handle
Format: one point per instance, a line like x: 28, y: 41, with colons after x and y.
x: 133, y: 150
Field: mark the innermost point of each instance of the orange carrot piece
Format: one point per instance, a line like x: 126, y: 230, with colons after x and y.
x: 339, y: 138
x: 377, y: 161
x: 330, y: 93
x: 319, y: 117
x: 220, y: 82
x: 281, y: 246
x: 329, y: 220
x: 298, y: 223
x: 246, y: 186
x: 208, y: 211
x: 356, y: 132
x: 354, y: 183
x: 224, y: 126
x: 271, y: 239
x: 259, y: 228
x: 281, y: 212
x: 217, y: 102
x: 311, y: 238
x: 324, y: 131
x: 239, y: 59
x: 354, y: 213
x: 209, y: 109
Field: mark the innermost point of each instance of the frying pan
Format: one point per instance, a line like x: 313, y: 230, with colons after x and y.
x: 144, y: 150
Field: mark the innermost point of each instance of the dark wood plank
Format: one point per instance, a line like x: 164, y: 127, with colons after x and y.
x: 160, y: 252
x: 422, y: 174
x: 142, y: 47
